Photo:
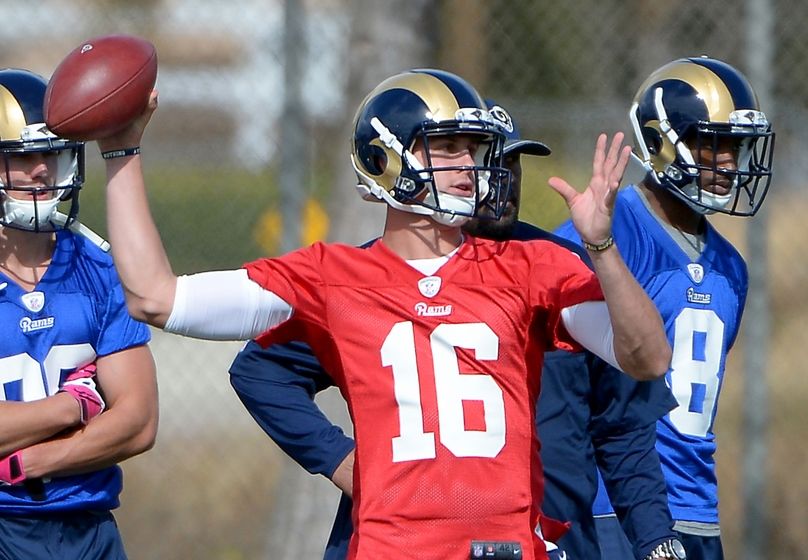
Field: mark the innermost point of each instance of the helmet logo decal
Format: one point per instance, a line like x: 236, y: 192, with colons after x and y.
x: 749, y: 117
x: 474, y: 115
x: 502, y: 117
x: 429, y: 286
x: 85, y: 48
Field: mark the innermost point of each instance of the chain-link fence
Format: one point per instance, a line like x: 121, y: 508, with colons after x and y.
x: 236, y: 91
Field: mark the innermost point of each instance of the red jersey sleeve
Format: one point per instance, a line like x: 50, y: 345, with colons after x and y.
x: 297, y: 278
x: 560, y: 279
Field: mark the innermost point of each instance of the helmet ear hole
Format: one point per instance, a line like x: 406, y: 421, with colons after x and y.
x: 379, y: 161
x: 652, y: 139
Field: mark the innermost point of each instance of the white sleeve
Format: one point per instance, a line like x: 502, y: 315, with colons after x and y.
x: 224, y: 305
x: 590, y: 325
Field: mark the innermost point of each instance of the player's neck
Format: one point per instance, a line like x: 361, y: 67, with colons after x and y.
x: 24, y: 255
x: 673, y: 211
x: 412, y: 236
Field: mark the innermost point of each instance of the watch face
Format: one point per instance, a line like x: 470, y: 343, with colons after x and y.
x: 678, y: 550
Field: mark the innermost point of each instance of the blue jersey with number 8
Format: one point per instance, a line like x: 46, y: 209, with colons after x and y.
x: 701, y: 303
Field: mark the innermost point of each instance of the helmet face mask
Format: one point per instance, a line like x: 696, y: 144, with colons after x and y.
x: 450, y: 209
x: 412, y: 112
x: 30, y: 203
x: 695, y: 106
x: 748, y: 180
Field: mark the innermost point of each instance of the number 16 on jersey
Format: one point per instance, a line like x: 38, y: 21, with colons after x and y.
x: 451, y: 387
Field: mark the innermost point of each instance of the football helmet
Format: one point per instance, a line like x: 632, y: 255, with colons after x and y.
x: 23, y: 132
x: 419, y: 105
x: 699, y: 103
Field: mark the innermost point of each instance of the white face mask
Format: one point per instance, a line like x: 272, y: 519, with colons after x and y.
x: 464, y: 205
x: 32, y: 215
x: 37, y: 214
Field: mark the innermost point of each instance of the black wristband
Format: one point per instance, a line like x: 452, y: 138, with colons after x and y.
x: 125, y: 152
x: 600, y: 246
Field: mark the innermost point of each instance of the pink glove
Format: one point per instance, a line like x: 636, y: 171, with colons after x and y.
x: 11, y: 470
x: 81, y: 385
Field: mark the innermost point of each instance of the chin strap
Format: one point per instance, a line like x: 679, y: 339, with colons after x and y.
x: 80, y: 229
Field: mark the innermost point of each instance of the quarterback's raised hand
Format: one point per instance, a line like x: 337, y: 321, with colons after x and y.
x: 130, y: 136
x: 591, y: 210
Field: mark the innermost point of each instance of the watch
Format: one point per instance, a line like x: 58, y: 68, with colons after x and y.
x: 669, y: 549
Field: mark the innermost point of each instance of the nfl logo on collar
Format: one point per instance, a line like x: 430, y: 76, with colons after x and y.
x: 429, y: 286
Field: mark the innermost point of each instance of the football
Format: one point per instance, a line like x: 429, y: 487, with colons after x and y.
x: 100, y: 87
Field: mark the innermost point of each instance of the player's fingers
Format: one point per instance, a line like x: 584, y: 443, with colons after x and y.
x: 622, y: 163
x: 563, y: 188
x: 609, y: 197
x: 600, y: 156
x: 615, y: 175
x: 614, y: 151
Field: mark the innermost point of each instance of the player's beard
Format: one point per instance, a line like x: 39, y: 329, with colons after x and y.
x: 489, y: 228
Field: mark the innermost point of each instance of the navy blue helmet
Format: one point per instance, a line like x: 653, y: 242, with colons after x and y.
x: 698, y: 103
x: 419, y: 105
x: 23, y: 132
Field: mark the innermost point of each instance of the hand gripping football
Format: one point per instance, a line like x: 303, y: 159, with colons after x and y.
x: 100, y: 87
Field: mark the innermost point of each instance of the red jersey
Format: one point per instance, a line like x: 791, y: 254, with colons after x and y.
x: 435, y: 373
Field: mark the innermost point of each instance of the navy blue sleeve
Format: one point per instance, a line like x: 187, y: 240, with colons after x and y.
x: 623, y: 428
x: 629, y: 464
x: 570, y: 473
x: 277, y: 386
x: 337, y: 546
x: 620, y: 403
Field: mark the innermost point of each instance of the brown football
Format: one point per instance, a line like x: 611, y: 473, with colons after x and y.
x: 100, y: 87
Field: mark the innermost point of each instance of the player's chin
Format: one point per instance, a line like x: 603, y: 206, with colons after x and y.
x: 499, y: 230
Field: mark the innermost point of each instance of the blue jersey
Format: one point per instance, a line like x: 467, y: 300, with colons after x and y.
x: 701, y: 304
x: 76, y: 313
x: 582, y: 400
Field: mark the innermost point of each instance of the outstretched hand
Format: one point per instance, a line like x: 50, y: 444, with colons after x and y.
x: 591, y: 210
x: 130, y: 136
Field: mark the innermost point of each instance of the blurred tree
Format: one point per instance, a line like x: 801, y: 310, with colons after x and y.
x: 463, y: 41
x: 385, y: 39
